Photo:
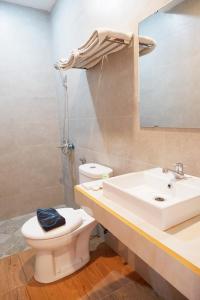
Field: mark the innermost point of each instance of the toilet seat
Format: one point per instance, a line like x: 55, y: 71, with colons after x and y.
x: 32, y: 229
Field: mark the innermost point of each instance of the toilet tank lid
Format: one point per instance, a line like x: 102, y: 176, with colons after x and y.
x: 93, y: 170
x: 32, y: 229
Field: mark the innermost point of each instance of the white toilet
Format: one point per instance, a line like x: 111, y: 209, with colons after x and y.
x: 64, y: 250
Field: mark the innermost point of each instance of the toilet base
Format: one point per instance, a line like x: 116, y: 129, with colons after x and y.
x: 53, y: 276
x: 62, y: 256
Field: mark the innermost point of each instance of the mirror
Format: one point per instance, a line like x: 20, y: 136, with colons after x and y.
x: 170, y: 74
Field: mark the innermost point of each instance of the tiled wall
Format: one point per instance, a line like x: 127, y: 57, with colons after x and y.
x: 30, y: 167
x: 103, y: 102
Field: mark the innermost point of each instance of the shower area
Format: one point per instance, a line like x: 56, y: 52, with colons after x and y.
x: 43, y: 136
x: 31, y: 172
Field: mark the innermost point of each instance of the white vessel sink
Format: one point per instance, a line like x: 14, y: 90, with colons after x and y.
x: 148, y: 195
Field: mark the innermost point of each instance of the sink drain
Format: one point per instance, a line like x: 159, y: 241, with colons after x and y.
x: 160, y: 199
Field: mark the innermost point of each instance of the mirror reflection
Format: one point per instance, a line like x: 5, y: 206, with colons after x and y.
x: 170, y: 75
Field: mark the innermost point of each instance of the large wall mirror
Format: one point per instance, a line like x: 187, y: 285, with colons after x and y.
x: 170, y: 74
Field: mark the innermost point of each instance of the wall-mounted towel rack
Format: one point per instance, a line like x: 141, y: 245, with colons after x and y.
x: 146, y: 45
x: 102, y: 42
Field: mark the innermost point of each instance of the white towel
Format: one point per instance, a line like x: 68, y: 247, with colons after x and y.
x: 102, y: 42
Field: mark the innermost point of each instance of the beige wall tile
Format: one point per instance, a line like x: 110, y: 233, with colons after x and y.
x: 9, y: 174
x: 37, y: 133
x: 88, y: 133
x: 40, y: 167
x: 26, y: 202
x: 118, y: 132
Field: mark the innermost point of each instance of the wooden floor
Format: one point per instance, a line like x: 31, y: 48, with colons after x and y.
x: 104, y: 277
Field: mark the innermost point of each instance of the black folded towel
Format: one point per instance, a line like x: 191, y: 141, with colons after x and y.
x: 49, y: 218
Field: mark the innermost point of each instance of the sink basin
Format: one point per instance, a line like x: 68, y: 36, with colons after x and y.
x: 155, y: 196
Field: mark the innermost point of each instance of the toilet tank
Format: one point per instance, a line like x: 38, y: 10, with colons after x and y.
x: 93, y: 171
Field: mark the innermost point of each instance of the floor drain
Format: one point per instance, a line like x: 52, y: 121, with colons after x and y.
x: 160, y: 199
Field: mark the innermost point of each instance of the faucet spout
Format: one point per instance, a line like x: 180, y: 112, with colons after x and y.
x: 178, y: 172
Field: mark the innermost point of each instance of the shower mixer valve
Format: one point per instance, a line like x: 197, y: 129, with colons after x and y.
x: 66, y: 146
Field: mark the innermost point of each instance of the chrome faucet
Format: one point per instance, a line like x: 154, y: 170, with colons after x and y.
x: 178, y: 172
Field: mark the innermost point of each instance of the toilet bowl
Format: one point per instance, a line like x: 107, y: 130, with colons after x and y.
x: 63, y: 250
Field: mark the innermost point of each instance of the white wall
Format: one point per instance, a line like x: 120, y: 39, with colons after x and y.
x: 30, y: 168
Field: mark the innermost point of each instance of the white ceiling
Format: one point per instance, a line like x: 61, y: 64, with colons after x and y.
x: 39, y: 4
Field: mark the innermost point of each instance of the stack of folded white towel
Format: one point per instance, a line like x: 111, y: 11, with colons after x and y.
x: 102, y: 42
